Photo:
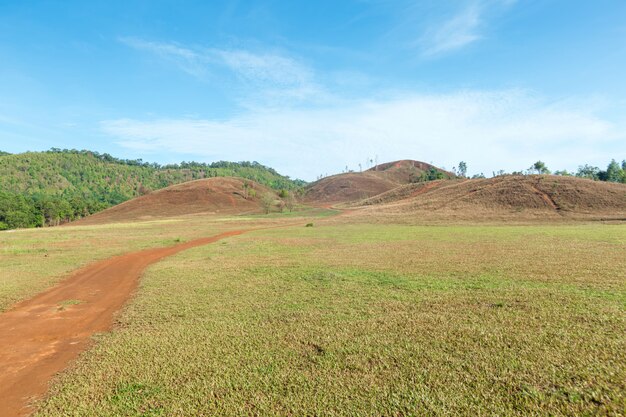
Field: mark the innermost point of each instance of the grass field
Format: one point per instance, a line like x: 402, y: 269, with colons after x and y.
x: 33, y: 259
x: 367, y: 320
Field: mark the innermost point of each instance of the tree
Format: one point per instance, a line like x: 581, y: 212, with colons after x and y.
x: 430, y: 175
x: 267, y: 201
x: 563, y: 173
x: 290, y: 201
x: 246, y: 189
x: 613, y: 172
x: 462, y: 169
x: 434, y: 174
x: 588, y: 171
x: 540, y: 168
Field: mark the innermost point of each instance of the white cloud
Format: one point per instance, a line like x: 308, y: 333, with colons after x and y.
x: 490, y: 130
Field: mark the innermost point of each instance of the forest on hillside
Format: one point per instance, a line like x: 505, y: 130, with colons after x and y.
x: 48, y: 188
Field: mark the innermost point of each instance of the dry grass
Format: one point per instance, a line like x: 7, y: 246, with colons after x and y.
x: 354, y: 186
x: 520, y: 198
x: 219, y: 195
x: 369, y: 320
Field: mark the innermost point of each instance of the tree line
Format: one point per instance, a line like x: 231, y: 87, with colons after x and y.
x: 614, y: 172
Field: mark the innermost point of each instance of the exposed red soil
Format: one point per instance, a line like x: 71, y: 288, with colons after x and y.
x: 219, y: 195
x: 517, y: 196
x: 40, y: 336
x: 354, y: 186
x: 427, y: 187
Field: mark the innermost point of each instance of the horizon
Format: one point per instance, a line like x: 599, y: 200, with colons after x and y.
x: 310, y: 89
x: 369, y: 164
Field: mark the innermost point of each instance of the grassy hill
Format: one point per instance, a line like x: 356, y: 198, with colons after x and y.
x: 47, y: 188
x: 223, y: 195
x: 519, y: 197
x: 353, y: 186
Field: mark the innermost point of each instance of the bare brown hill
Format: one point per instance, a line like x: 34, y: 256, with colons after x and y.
x: 519, y: 196
x: 407, y: 170
x: 220, y: 195
x: 354, y: 186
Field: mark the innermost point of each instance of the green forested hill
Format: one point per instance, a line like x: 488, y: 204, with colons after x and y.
x: 47, y: 188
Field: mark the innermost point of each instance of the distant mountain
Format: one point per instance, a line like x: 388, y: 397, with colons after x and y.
x: 48, y: 188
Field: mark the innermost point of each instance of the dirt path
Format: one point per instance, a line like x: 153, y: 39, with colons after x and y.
x: 38, y: 337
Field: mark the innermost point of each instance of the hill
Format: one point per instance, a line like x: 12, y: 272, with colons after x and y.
x: 226, y: 195
x: 353, y: 186
x: 514, y: 195
x: 47, y: 188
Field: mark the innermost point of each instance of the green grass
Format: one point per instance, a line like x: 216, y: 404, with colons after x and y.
x: 66, y: 303
x: 376, y: 320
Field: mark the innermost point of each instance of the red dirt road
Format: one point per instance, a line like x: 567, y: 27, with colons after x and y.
x: 40, y: 336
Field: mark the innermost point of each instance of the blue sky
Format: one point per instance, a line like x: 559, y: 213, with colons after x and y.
x: 310, y: 87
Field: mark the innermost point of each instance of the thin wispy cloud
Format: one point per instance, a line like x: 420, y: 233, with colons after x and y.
x: 265, y: 67
x: 514, y: 126
x: 463, y: 28
x: 269, y: 74
x: 458, y: 32
x: 184, y: 58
